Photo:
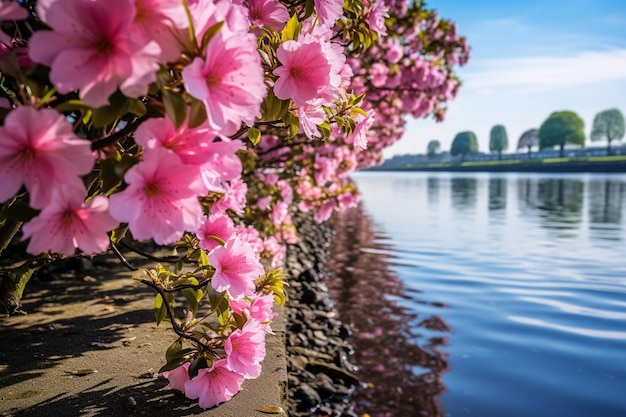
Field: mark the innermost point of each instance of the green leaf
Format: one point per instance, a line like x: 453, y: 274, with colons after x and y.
x: 196, y: 365
x: 71, y: 105
x: 254, y: 135
x: 197, y: 113
x: 219, y: 304
x: 193, y: 298
x: 136, y: 107
x: 160, y: 309
x: 119, y: 233
x: 208, y: 35
x: 175, y: 107
x: 109, y: 114
x: 239, y: 320
x: 173, y: 350
x: 292, y: 29
x: 309, y: 8
x: 274, y: 108
x: 218, y: 240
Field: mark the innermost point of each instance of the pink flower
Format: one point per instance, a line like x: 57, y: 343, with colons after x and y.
x: 245, y: 349
x: 178, y: 377
x: 214, y: 385
x: 229, y: 81
x: 270, y: 13
x: 323, y: 213
x: 218, y: 161
x: 39, y: 150
x: 236, y: 266
x: 279, y: 213
x: 260, y: 309
x: 264, y: 203
x: 220, y: 227
x: 376, y: 17
x: 311, y: 115
x: 304, y: 73
x: 67, y: 223
x: 233, y: 199
x: 364, y: 123
x: 378, y: 74
x: 92, y: 48
x: 161, y: 200
x: 163, y: 21
x: 251, y: 236
x: 328, y: 11
x: 394, y: 53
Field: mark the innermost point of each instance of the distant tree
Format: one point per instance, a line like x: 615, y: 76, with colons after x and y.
x: 433, y: 148
x: 464, y: 143
x: 528, y: 139
x: 608, y: 125
x: 561, y: 128
x: 498, y: 140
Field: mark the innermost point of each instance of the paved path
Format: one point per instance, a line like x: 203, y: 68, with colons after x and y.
x: 104, y: 323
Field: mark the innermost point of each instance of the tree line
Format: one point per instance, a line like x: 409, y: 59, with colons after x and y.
x: 559, y: 129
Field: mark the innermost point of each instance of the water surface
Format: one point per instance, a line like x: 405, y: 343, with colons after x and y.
x: 486, y: 294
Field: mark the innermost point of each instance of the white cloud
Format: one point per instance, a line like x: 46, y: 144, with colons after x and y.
x: 543, y: 73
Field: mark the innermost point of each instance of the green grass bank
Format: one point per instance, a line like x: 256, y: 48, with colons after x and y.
x: 600, y: 164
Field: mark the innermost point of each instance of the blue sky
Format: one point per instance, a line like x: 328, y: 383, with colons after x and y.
x: 528, y: 59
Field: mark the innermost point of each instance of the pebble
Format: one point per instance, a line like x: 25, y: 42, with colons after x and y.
x: 320, y: 377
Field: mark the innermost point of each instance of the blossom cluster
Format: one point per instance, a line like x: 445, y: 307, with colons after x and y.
x: 203, y: 125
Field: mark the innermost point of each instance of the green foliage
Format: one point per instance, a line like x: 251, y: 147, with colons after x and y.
x: 608, y: 125
x: 464, y: 143
x: 528, y: 139
x: 433, y: 148
x: 498, y: 139
x: 561, y: 128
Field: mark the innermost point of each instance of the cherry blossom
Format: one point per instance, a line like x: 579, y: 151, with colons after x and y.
x: 245, y: 349
x: 67, y: 223
x: 91, y: 48
x: 178, y: 377
x: 236, y: 268
x: 161, y: 200
x: 215, y: 227
x: 229, y: 81
x: 270, y: 13
x: 214, y: 385
x: 38, y: 149
x: 329, y: 11
x: 304, y: 72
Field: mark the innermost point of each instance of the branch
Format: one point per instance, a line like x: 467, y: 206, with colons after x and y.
x: 168, y: 259
x: 120, y: 134
x: 170, y: 314
x: 121, y: 257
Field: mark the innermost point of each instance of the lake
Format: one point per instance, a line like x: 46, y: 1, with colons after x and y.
x: 494, y: 295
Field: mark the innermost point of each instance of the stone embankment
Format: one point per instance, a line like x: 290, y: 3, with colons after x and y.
x: 320, y: 378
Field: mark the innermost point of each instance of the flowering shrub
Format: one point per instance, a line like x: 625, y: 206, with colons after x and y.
x: 202, y: 124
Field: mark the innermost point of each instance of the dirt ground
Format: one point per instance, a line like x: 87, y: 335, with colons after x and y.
x: 89, y: 346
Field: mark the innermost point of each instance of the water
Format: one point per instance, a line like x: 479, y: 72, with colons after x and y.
x: 485, y: 294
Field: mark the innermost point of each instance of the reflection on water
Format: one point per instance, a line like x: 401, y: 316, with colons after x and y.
x: 408, y: 378
x: 485, y: 295
x: 497, y: 193
x: 464, y: 193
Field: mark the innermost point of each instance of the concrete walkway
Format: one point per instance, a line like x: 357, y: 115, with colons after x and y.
x: 89, y: 346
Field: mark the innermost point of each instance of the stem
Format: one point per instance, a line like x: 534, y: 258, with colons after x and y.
x: 117, y: 136
x: 170, y: 314
x: 168, y: 259
x: 121, y: 257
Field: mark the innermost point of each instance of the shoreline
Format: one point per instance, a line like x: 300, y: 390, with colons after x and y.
x: 498, y: 166
x: 320, y: 377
